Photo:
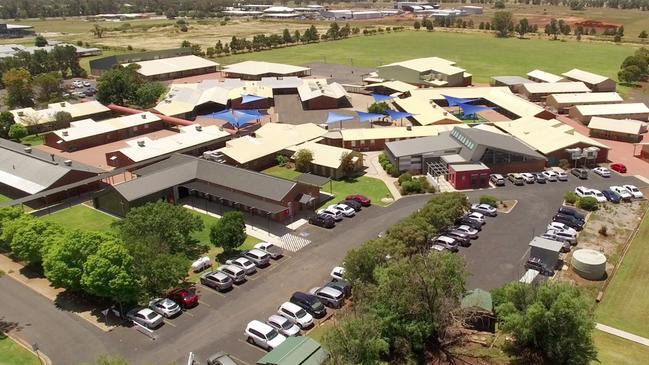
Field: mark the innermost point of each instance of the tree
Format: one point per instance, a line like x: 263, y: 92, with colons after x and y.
x: 229, y: 232
x: 417, y: 25
x: 499, y: 4
x: 148, y: 94
x: 286, y: 36
x: 552, y: 28
x: 62, y: 120
x: 564, y: 28
x: 171, y: 13
x: 18, y: 84
x: 118, y: 85
x: 360, y: 263
x: 630, y: 74
x: 588, y: 203
x: 6, y: 121
x: 30, y: 238
x: 356, y: 339
x: 313, y: 34
x: 296, y: 36
x: 108, y: 273
x: 17, y: 132
x: 637, y: 60
x: 48, y: 86
x: 334, y: 31
x: 530, y: 312
x: 643, y: 35
x: 98, y: 31
x: 503, y: 23
x: 40, y: 41
x: 522, y: 27
x: 620, y: 31
x: 378, y: 108
x: 303, y: 159
x: 347, y: 163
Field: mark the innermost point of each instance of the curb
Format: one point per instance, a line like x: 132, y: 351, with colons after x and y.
x: 44, y: 359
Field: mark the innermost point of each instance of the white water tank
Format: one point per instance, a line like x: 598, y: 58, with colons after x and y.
x: 589, y: 264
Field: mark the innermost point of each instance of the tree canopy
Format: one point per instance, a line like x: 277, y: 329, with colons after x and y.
x: 303, y: 159
x: 18, y: 82
x: 229, y: 232
x: 503, y: 23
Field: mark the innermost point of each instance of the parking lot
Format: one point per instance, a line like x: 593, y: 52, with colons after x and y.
x: 78, y: 88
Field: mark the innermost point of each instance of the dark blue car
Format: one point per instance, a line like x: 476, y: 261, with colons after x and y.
x: 612, y: 196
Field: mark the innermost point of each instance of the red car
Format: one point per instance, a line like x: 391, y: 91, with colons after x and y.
x: 619, y: 167
x: 365, y: 201
x: 185, y: 297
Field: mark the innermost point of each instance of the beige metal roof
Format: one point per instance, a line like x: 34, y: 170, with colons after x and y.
x: 426, y: 112
x: 555, y: 87
x: 585, y: 76
x: 172, y: 64
x: 260, y: 68
x: 30, y: 116
x: 612, y: 109
x: 544, y: 76
x: 364, y: 134
x: 88, y: 127
x: 429, y: 63
x: 577, y: 98
x: 270, y: 138
x: 629, y: 126
x: 313, y: 88
x: 323, y: 155
x: 396, y: 85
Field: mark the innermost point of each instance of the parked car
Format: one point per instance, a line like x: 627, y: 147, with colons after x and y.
x: 309, y: 303
x: 88, y: 93
x: 263, y: 335
x: 365, y: 201
x: 497, y: 179
x: 77, y: 83
x: 352, y: 204
x: 237, y: 274
x: 561, y: 174
x: 201, y: 264
x: 528, y: 177
x: 562, y: 236
x: 283, y: 325
x: 243, y: 263
x: 145, y: 317
x: 324, y: 221
x: 602, y: 171
x: 295, y: 314
x: 438, y: 248
x: 635, y: 192
x: 560, y: 227
x: 86, y: 83
x: 465, y: 221
x: 619, y: 167
x: 337, y: 273
x: 346, y: 210
x: 612, y: 196
x: 515, y: 179
x: 472, y: 232
x: 485, y: 209
x: 259, y: 257
x: 79, y: 94
x: 462, y: 238
x: 598, y: 195
x: 217, y: 280
x: 274, y: 251
x: 478, y: 217
x: 446, y: 242
x: 341, y: 285
x: 335, y: 214
x: 580, y: 173
x: 573, y: 212
x: 164, y: 307
x: 622, y: 192
x: 185, y: 297
x: 539, y: 177
x: 584, y: 192
x: 550, y: 175
x: 569, y: 220
x: 534, y: 263
x: 220, y: 358
x: 329, y: 296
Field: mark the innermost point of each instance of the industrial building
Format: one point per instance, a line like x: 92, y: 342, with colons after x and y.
x: 174, y: 67
x: 542, y: 76
x: 185, y: 177
x: 541, y: 90
x: 318, y: 94
x: 595, y: 82
x: 429, y: 72
x: 562, y: 102
x: 583, y: 113
x: 37, y: 121
x: 256, y: 70
x: 11, y: 50
x: 627, y: 130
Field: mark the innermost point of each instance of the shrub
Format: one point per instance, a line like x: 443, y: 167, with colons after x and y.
x: 564, y: 164
x: 388, y: 168
x: 425, y: 185
x: 281, y: 160
x: 588, y: 203
x: 488, y: 199
x: 405, y: 177
x: 570, y: 197
x: 411, y: 187
x: 383, y: 159
x: 603, y: 230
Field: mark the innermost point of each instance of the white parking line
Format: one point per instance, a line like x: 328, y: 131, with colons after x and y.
x: 189, y: 314
x: 211, y: 291
x: 239, y: 360
x: 279, y: 263
x: 169, y: 323
x: 251, y: 345
x: 203, y: 303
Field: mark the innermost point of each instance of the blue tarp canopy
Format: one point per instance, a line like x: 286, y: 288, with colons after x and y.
x: 398, y: 115
x: 250, y: 98
x: 366, y: 117
x: 468, y: 109
x: 335, y: 117
x: 380, y: 97
x: 452, y: 101
x: 236, y: 118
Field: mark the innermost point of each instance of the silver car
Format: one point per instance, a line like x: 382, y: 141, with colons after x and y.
x: 259, y: 257
x: 165, y: 307
x: 145, y: 317
x: 283, y: 325
x: 242, y: 262
x: 237, y: 274
x: 329, y: 296
x: 216, y: 280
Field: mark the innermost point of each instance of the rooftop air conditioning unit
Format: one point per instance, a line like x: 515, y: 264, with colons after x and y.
x: 20, y: 113
x: 64, y: 133
x: 67, y: 162
x: 140, y: 143
x: 143, y: 116
x: 445, y: 113
x: 199, y: 127
x: 28, y: 149
x: 63, y: 104
x: 409, y: 128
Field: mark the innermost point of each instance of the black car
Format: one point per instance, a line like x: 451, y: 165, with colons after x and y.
x: 612, y: 196
x: 536, y: 264
x: 309, y: 303
x: 341, y: 285
x: 322, y: 221
x: 573, y: 212
x: 463, y: 238
x: 89, y: 92
x: 568, y: 220
x: 352, y: 204
x: 469, y: 222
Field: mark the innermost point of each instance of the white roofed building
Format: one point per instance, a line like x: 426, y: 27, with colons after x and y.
x: 45, y: 119
x: 318, y: 94
x: 255, y: 70
x: 562, y: 102
x: 175, y: 67
x: 540, y: 90
x: 627, y: 130
x: 595, y: 82
x: 542, y: 76
x: 583, y: 113
x: 429, y: 71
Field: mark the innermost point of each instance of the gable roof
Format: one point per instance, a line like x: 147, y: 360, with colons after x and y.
x: 261, y: 68
x: 172, y: 64
x: 423, y: 145
x: 299, y: 350
x: 544, y: 76
x: 313, y: 88
x: 556, y: 87
x: 585, y: 76
x: 499, y: 141
x: 477, y: 298
x: 629, y: 126
x: 429, y: 64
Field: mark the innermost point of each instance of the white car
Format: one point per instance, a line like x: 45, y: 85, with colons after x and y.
x: 165, y: 307
x: 201, y: 264
x: 145, y: 317
x: 345, y: 209
x: 283, y: 325
x: 248, y: 266
x: 634, y: 191
x: 472, y: 232
x: 558, y: 226
x: 478, y: 217
x: 563, y: 236
x: 602, y: 171
x: 485, y: 209
x: 263, y: 335
x: 583, y: 192
x: 337, y: 273
x: 274, y: 251
x: 295, y: 314
x: 562, y: 176
x: 598, y: 195
x: 333, y: 213
x: 622, y: 192
x: 86, y: 84
x: 550, y: 175
x: 528, y: 177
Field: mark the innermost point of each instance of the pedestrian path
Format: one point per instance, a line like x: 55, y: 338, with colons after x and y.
x: 293, y: 243
x: 623, y: 334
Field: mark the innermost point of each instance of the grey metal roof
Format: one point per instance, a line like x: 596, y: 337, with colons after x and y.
x: 179, y: 169
x: 546, y: 244
x: 235, y: 196
x: 497, y: 141
x: 512, y: 80
x: 468, y: 167
x: 423, y: 145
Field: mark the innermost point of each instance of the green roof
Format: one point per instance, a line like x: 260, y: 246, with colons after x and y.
x: 478, y: 298
x: 296, y: 351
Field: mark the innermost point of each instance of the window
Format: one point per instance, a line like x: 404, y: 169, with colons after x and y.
x: 353, y: 143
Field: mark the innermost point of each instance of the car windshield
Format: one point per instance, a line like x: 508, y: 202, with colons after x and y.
x: 301, y: 313
x: 151, y: 315
x: 287, y: 325
x: 316, y: 306
x: 272, y: 334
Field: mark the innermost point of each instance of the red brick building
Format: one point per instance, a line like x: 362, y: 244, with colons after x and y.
x: 468, y: 176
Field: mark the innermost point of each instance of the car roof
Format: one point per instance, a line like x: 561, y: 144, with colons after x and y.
x: 229, y: 267
x: 258, y: 252
x: 330, y: 290
x: 260, y: 326
x: 145, y: 311
x: 277, y: 318
x: 291, y: 306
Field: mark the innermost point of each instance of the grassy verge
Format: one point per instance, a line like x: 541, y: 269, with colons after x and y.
x: 14, y: 354
x: 33, y: 140
x: 374, y: 189
x: 626, y: 299
x: 615, y: 350
x: 81, y: 217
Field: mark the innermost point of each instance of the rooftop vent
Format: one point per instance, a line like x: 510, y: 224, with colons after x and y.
x: 62, y: 104
x: 409, y: 128
x: 67, y: 162
x: 64, y: 133
x: 140, y: 143
x: 143, y: 116
x: 20, y: 113
x: 199, y: 127
x: 28, y: 149
x: 445, y: 113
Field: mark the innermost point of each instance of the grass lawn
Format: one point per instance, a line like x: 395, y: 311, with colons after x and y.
x: 81, y: 217
x: 613, y: 350
x: 14, y: 354
x: 626, y: 299
x: 374, y: 189
x: 33, y: 140
x: 4, y: 198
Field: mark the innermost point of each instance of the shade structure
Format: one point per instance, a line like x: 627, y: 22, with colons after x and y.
x: 398, y: 115
x: 366, y: 117
x: 453, y: 101
x: 236, y: 118
x: 335, y: 117
x: 380, y: 97
x: 468, y: 109
x: 245, y: 99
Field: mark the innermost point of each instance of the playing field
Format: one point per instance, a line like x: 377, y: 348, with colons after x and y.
x: 612, y: 350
